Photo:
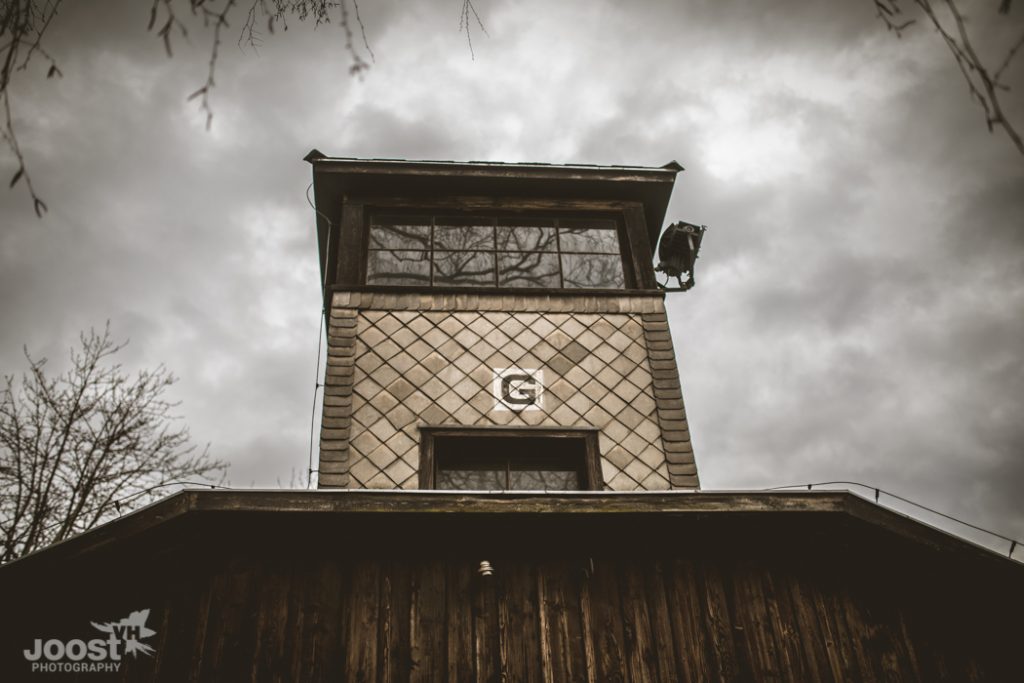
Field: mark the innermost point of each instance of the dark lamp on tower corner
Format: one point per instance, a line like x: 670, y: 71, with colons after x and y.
x: 677, y: 254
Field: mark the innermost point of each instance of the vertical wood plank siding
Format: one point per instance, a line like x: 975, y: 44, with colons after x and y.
x: 346, y: 617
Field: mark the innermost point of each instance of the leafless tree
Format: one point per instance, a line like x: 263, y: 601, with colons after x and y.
x: 80, y: 448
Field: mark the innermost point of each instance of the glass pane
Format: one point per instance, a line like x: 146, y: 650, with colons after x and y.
x: 526, y: 269
x: 592, y: 271
x: 594, y: 238
x: 397, y: 232
x: 398, y: 268
x: 462, y: 236
x: 470, y: 479
x: 463, y: 268
x: 526, y: 238
x: 541, y: 480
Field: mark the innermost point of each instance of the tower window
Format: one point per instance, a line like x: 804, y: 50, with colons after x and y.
x: 494, y: 251
x: 508, y: 460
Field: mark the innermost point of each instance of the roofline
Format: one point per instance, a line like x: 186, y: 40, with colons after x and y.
x: 323, y: 163
x: 699, y: 504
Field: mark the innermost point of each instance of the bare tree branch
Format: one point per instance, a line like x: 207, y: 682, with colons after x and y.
x: 888, y: 11
x: 1011, y: 53
x: 73, y: 445
x: 466, y: 17
x: 983, y: 85
x: 24, y: 23
x: 993, y: 108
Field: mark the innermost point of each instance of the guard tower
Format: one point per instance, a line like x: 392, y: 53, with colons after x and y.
x: 496, y: 327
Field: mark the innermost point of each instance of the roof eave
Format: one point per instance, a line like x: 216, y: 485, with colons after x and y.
x: 704, y: 505
x: 324, y: 164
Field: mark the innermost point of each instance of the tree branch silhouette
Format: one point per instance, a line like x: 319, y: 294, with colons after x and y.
x: 983, y: 84
x: 72, y: 445
x: 24, y: 24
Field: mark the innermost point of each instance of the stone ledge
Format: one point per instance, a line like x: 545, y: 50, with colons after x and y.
x: 678, y: 449
x: 336, y: 467
x: 347, y: 304
x: 328, y: 480
x: 684, y: 482
x: 686, y: 469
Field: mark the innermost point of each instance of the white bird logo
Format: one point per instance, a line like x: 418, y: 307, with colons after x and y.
x: 130, y: 629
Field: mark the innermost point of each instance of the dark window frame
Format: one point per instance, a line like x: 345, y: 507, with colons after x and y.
x: 590, y: 468
x: 631, y: 278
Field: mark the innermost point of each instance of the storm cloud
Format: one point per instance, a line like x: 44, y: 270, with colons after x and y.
x: 859, y: 313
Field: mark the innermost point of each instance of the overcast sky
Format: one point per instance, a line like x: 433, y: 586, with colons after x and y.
x: 859, y: 313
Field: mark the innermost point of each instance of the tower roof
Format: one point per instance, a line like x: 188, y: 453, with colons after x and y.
x: 334, y: 178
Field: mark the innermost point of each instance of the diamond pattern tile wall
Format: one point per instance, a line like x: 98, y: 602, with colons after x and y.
x: 433, y: 367
x: 399, y: 361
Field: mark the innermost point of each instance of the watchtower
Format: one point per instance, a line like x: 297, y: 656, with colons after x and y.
x: 496, y: 327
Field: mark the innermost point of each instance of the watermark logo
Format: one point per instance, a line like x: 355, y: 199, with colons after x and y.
x: 121, y: 638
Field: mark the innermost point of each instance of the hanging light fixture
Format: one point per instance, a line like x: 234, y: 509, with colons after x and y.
x: 677, y: 253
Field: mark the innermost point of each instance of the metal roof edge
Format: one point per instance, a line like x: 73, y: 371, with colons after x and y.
x: 323, y: 163
x: 130, y: 524
x: 598, y: 503
x: 314, y: 156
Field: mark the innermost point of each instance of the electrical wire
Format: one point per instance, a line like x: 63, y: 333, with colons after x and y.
x: 117, y: 503
x: 1012, y: 541
x: 317, y: 385
x: 316, y: 388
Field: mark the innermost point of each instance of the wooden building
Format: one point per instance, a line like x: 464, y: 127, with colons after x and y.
x: 508, y: 491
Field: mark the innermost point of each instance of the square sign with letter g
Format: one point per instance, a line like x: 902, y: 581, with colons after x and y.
x: 518, y: 389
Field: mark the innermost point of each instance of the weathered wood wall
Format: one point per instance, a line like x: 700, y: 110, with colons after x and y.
x: 643, y: 619
x: 241, y: 596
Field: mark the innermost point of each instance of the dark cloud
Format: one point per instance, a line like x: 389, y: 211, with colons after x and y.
x: 860, y: 300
